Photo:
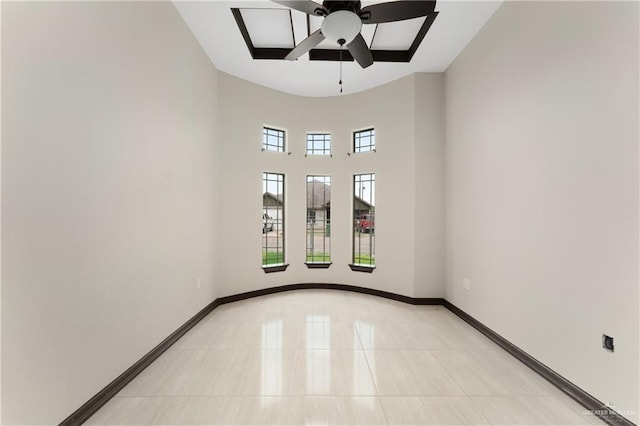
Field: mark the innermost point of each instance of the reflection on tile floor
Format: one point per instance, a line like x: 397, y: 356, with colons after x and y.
x: 340, y: 358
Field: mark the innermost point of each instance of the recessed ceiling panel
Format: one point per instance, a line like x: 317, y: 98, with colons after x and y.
x: 269, y: 27
x: 396, y: 35
x: 215, y: 25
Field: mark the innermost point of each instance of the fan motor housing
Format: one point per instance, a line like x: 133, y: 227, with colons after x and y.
x: 351, y: 6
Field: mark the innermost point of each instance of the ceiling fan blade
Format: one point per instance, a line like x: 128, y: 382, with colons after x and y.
x: 305, y: 45
x: 360, y: 52
x: 307, y: 6
x: 396, y: 11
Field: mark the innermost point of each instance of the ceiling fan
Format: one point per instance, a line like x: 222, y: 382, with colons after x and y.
x: 343, y: 21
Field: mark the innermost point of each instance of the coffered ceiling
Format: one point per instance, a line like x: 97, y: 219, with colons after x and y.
x: 431, y: 43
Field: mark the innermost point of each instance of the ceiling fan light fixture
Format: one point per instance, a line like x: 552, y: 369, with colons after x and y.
x: 341, y: 24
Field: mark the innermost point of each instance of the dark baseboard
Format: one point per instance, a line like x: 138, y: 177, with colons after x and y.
x: 590, y: 403
x: 90, y: 407
x: 327, y: 286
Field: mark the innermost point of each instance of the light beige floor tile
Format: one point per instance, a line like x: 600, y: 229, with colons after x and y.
x: 357, y: 410
x: 433, y: 313
x: 528, y: 410
x: 176, y: 372
x: 431, y: 410
x: 251, y: 310
x: 486, y: 372
x: 226, y: 411
x: 251, y: 373
x: 410, y: 372
x: 128, y: 411
x: 210, y: 335
x: 331, y: 372
x: 335, y: 357
x: 391, y: 335
x: 453, y: 335
x: 328, y: 335
x: 385, y: 310
x: 272, y: 334
x: 193, y: 410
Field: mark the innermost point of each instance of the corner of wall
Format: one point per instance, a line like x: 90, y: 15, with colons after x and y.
x: 429, y: 214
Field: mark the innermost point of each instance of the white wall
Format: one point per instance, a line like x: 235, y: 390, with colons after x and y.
x: 429, y: 220
x: 542, y: 187
x: 108, y: 188
x: 391, y: 110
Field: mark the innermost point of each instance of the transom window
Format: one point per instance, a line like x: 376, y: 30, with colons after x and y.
x: 318, y: 221
x: 318, y: 143
x: 364, y: 140
x: 272, y: 139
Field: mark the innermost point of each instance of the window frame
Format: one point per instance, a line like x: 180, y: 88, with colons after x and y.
x: 324, y: 152
x: 363, y: 267
x: 354, y: 137
x: 326, y: 238
x: 265, y: 145
x: 281, y: 226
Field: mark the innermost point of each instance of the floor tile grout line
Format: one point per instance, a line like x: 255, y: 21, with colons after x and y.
x: 373, y: 379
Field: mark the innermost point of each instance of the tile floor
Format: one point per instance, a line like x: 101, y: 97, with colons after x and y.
x: 332, y: 357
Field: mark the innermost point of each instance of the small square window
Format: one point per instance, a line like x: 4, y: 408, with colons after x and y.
x: 272, y: 139
x: 364, y: 140
x: 318, y: 144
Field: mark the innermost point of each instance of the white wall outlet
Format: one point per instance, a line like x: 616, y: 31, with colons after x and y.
x: 197, y: 282
x: 466, y: 284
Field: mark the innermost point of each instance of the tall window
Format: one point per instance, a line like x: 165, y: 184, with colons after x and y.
x: 364, y: 140
x: 272, y: 139
x: 272, y: 219
x: 364, y: 223
x: 318, y: 221
x: 318, y: 144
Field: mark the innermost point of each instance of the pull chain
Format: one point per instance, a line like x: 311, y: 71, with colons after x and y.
x: 341, y: 42
x: 340, y: 82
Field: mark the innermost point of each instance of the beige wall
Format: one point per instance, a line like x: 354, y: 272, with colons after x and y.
x: 108, y: 195
x: 391, y: 109
x: 429, y: 220
x: 117, y: 195
x: 542, y: 187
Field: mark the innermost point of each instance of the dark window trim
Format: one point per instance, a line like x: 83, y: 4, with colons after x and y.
x: 275, y: 268
x: 361, y: 268
x: 324, y: 152
x: 318, y: 265
x: 333, y: 54
x: 325, y: 223
x: 278, y: 267
x: 284, y: 139
x: 353, y: 140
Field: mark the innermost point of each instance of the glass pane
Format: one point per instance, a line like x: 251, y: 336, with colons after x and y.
x: 318, y: 219
x: 272, y: 219
x: 364, y: 219
x: 272, y: 139
x: 318, y: 144
x: 364, y: 140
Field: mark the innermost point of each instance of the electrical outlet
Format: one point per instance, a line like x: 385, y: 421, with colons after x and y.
x: 466, y: 284
x: 197, y: 282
